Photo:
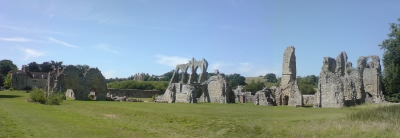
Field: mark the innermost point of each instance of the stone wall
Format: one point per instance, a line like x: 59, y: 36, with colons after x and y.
x: 264, y: 97
x: 308, y: 100
x: 193, y: 88
x: 342, y: 85
x: 80, y: 84
x: 133, y: 93
x: 288, y: 92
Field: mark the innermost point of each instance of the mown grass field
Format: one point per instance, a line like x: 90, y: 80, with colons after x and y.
x: 19, y: 118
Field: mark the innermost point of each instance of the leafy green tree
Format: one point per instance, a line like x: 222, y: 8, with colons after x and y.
x: 56, y: 64
x: 271, y: 77
x: 254, y: 86
x: 46, y: 67
x: 240, y: 80
x: 391, y: 63
x: 34, y: 67
x: 7, y: 81
x: 307, y: 84
x: 167, y: 76
x: 7, y: 66
x: 82, y: 68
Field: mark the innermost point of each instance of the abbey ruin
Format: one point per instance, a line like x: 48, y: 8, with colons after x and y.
x: 80, y: 86
x: 190, y: 87
x: 340, y: 84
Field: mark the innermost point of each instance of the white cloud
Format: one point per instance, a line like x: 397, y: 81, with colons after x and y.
x: 106, y: 48
x: 15, y: 39
x: 31, y: 53
x: 109, y: 74
x: 171, y: 61
x: 61, y: 42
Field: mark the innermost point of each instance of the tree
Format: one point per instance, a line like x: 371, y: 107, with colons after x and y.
x: 254, y: 86
x: 391, y: 63
x: 34, y: 67
x: 167, y: 76
x: 82, y: 68
x: 46, y: 67
x: 271, y: 77
x: 7, y: 66
x: 7, y: 81
x: 237, y: 78
x: 56, y: 64
x: 307, y: 84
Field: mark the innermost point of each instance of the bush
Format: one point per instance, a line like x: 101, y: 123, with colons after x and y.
x: 55, y: 98
x: 154, y: 97
x: 11, y: 89
x: 39, y: 95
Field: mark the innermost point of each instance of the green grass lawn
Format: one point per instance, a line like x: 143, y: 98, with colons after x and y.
x: 19, y: 118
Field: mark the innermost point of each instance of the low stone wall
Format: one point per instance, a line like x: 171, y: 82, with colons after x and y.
x: 308, y: 100
x: 134, y: 93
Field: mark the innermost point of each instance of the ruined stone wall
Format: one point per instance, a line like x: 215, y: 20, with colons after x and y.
x: 342, y: 85
x: 371, y: 78
x: 81, y: 84
x: 216, y: 87
x: 264, y: 97
x: 192, y: 89
x: 330, y: 87
x: 308, y: 100
x: 134, y: 93
x: 288, y: 92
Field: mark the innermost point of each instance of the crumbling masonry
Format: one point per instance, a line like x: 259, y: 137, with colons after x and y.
x: 342, y: 85
x: 193, y: 87
x: 79, y: 85
x: 288, y: 92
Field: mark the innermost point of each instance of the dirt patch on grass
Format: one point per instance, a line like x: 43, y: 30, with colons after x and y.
x: 114, y: 116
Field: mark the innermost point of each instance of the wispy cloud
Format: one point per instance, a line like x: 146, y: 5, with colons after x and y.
x: 29, y: 30
x: 106, y: 48
x: 15, y: 39
x: 61, y: 42
x: 31, y: 53
x: 171, y: 61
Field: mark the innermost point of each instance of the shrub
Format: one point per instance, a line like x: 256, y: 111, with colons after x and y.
x: 154, y: 97
x: 11, y: 89
x: 39, y: 95
x: 54, y: 98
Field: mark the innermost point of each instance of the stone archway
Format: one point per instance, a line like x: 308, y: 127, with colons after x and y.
x: 285, y: 100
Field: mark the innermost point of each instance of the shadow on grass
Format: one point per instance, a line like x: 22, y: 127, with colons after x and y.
x: 9, y: 96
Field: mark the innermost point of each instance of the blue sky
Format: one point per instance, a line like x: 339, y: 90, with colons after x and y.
x: 124, y: 37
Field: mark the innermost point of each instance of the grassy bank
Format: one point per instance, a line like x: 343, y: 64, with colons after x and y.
x: 19, y: 118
